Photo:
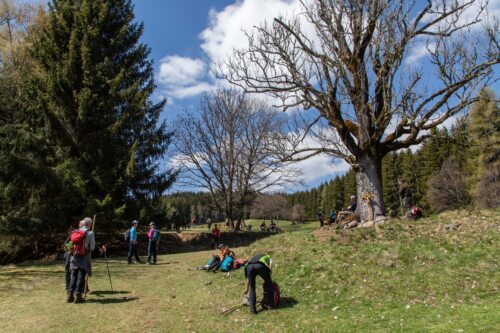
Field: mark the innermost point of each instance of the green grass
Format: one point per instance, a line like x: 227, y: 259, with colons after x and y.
x: 399, y: 277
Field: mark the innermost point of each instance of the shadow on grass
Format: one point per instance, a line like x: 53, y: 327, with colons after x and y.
x: 287, y: 302
x: 112, y: 300
x: 108, y: 292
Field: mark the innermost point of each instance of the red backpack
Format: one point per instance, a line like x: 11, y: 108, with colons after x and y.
x: 78, y: 240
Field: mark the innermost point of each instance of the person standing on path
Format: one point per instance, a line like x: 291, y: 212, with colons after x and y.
x: 80, y: 264
x: 132, y: 246
x: 215, y: 237
x: 154, y: 239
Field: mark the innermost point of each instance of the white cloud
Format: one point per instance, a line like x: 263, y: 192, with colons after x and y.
x: 320, y: 166
x: 225, y: 30
x: 418, y: 52
x: 176, y: 70
x: 182, y: 77
x: 190, y: 90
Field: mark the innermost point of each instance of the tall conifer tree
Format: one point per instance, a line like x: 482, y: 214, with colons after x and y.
x: 93, y: 86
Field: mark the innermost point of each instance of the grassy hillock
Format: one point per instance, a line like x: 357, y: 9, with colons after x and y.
x: 438, y: 274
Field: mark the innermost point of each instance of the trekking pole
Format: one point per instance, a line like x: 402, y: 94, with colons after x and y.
x: 107, y: 266
x: 230, y: 310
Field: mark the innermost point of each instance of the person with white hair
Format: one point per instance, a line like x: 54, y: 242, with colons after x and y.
x: 83, y: 243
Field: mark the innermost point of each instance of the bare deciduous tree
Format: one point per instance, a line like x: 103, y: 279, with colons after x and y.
x: 298, y: 213
x: 447, y: 188
x: 225, y: 150
x: 270, y: 207
x: 348, y: 62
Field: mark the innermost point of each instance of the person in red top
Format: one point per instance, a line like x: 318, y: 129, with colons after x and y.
x: 215, y: 236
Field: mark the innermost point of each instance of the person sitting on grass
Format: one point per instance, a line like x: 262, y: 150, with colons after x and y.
x: 350, y: 209
x: 263, y: 226
x: 273, y: 226
x: 249, y: 227
x: 258, y: 265
x: 227, y: 257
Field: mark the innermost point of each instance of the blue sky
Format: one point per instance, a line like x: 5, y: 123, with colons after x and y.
x: 187, y: 37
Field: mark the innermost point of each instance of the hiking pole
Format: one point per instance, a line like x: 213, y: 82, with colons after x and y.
x: 230, y: 310
x: 107, y: 266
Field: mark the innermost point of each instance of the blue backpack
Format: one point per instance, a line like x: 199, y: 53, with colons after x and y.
x: 227, y: 264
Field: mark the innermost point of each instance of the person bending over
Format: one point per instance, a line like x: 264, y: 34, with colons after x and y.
x: 259, y: 265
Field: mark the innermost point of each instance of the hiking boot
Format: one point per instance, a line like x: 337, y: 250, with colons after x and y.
x: 253, y: 311
x: 79, y: 298
x: 70, y: 298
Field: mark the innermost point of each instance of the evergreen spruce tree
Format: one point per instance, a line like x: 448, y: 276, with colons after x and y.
x: 349, y: 186
x: 93, y: 86
x: 391, y: 171
x: 484, y: 129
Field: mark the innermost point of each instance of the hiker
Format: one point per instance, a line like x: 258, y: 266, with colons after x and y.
x: 67, y: 254
x: 263, y: 226
x: 331, y: 217
x: 273, y: 226
x: 353, y: 204
x: 209, y: 224
x: 154, y: 240
x: 83, y: 244
x: 320, y: 217
x: 226, y: 259
x: 259, y: 265
x: 215, y: 236
x: 351, y: 209
x: 249, y: 227
x: 132, y: 245
x: 405, y: 197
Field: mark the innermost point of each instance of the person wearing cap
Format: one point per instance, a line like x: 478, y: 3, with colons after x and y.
x: 258, y: 265
x: 132, y: 246
x: 154, y: 239
x: 80, y: 265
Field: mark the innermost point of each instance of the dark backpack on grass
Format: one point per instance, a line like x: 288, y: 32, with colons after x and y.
x: 272, y: 297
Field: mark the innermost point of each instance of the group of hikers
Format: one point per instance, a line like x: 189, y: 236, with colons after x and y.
x: 342, y: 220
x: 81, y: 243
x: 334, y: 218
x: 258, y: 265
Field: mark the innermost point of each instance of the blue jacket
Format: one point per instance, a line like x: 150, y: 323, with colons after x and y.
x: 133, y: 234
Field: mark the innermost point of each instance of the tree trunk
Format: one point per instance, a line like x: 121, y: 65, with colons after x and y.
x: 370, y: 203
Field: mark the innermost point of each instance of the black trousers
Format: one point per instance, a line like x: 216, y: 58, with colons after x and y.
x: 215, y: 242
x: 77, y: 281
x: 67, y: 271
x: 254, y: 270
x: 152, y: 250
x: 132, y: 251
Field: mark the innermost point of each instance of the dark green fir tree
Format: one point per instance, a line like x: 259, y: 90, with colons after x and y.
x: 93, y: 85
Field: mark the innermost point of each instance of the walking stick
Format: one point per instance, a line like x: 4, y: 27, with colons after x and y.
x: 107, y: 266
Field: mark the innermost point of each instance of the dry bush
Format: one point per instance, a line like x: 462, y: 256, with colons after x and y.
x: 489, y: 189
x: 447, y: 189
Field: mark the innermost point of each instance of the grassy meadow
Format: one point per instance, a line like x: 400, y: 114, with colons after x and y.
x: 439, y: 274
